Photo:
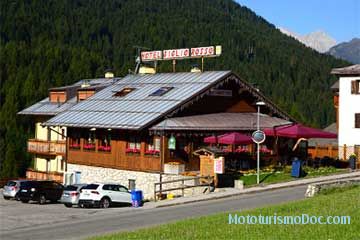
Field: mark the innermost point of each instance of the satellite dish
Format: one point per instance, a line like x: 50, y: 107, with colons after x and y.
x: 258, y: 136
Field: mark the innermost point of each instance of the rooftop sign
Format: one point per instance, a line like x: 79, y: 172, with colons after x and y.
x: 183, y: 53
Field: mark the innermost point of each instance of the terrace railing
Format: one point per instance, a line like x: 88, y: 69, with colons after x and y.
x: 46, y: 147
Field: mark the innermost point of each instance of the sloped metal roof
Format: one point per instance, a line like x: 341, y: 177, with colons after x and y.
x: 47, y: 108
x: 136, y: 109
x: 349, y: 70
x: 219, y: 122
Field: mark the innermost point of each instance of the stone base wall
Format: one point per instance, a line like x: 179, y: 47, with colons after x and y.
x: 143, y: 180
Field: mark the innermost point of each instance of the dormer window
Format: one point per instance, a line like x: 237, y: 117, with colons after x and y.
x: 161, y: 91
x: 123, y: 92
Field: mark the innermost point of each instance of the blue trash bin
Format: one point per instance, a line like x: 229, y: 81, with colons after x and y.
x: 296, y: 168
x: 136, y: 198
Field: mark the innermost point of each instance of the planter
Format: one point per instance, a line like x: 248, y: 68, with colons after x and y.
x: 174, y: 168
x: 238, y: 184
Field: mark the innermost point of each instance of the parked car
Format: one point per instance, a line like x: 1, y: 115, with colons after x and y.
x: 40, y: 191
x: 71, y: 194
x: 11, y: 189
x: 103, y: 195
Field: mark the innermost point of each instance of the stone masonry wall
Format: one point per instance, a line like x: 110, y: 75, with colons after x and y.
x: 144, y: 181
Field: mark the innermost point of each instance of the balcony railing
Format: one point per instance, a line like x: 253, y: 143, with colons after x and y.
x: 47, y: 147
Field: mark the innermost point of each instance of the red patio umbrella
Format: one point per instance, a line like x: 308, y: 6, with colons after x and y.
x: 212, y: 139
x: 298, y: 131
x: 234, y: 138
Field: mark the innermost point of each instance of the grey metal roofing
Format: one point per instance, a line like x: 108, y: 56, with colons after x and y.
x: 350, y: 70
x: 219, y: 121
x: 325, y: 141
x: 47, y: 108
x: 137, y: 109
x: 335, y: 86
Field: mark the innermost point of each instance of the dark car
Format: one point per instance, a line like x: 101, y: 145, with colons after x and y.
x: 40, y: 191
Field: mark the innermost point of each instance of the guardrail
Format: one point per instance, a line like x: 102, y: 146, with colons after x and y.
x: 209, y: 180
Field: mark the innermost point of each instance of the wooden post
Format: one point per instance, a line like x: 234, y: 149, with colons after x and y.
x: 174, y: 65
x: 344, y: 152
x: 202, y: 64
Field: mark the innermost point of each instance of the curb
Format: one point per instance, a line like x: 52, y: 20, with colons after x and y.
x: 265, y: 189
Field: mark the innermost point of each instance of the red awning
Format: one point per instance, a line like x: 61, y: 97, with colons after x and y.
x: 298, y: 131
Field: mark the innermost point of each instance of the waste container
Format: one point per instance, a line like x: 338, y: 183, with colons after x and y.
x: 136, y: 198
x: 352, y: 162
x: 296, y: 168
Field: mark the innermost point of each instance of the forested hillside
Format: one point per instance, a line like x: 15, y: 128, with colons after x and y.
x: 51, y: 43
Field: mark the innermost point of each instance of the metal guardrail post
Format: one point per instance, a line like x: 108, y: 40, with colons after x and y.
x: 182, y: 187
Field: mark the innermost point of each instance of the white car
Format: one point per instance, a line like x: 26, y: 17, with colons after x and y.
x: 103, y: 195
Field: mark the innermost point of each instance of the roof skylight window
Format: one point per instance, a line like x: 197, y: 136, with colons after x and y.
x: 123, y: 92
x: 161, y: 91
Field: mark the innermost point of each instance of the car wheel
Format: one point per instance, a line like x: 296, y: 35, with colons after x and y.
x: 42, y: 199
x: 6, y: 198
x: 24, y: 201
x: 105, y: 202
x: 69, y: 205
x: 17, y: 197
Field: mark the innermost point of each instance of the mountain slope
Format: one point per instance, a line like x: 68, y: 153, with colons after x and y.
x: 51, y: 43
x: 318, y: 40
x: 349, y: 51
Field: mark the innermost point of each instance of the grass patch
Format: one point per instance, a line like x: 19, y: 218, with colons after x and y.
x: 285, y: 175
x: 345, y: 203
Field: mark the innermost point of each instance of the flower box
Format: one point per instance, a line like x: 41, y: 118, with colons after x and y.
x: 152, y: 153
x: 171, y: 168
x: 104, y: 148
x: 89, y: 146
x: 132, y: 151
x: 74, y: 146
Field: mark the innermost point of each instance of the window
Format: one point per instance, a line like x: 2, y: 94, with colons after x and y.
x: 89, y: 143
x: 74, y: 141
x: 123, y: 92
x: 133, y: 146
x: 104, y: 142
x: 355, y: 87
x: 357, y: 120
x: 153, y: 148
x: 161, y: 91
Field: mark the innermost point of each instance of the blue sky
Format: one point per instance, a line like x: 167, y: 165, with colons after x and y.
x: 339, y: 18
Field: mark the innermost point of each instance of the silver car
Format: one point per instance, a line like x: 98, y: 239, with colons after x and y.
x: 71, y: 194
x: 12, y: 188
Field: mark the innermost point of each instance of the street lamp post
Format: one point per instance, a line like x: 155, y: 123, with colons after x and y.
x: 258, y: 104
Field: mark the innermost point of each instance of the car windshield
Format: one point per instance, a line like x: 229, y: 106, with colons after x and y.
x: 70, y: 188
x: 11, y: 183
x: 91, y: 186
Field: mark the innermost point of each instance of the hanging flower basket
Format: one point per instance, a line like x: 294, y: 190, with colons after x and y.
x: 89, y: 146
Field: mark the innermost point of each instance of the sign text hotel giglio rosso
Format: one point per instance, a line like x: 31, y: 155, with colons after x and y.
x: 182, y: 53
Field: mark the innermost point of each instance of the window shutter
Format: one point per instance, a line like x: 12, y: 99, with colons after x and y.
x: 353, y: 87
x: 357, y: 120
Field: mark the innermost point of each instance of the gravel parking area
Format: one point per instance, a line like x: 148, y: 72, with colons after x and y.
x: 16, y: 215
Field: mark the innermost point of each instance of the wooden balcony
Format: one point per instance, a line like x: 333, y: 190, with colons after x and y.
x: 46, y: 147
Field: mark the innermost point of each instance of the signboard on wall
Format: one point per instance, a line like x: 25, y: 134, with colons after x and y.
x: 219, y: 165
x: 182, y: 53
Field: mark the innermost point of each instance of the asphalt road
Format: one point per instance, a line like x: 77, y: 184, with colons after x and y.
x: 84, y: 223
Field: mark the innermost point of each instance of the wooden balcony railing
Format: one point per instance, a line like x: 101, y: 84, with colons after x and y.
x: 46, y: 147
